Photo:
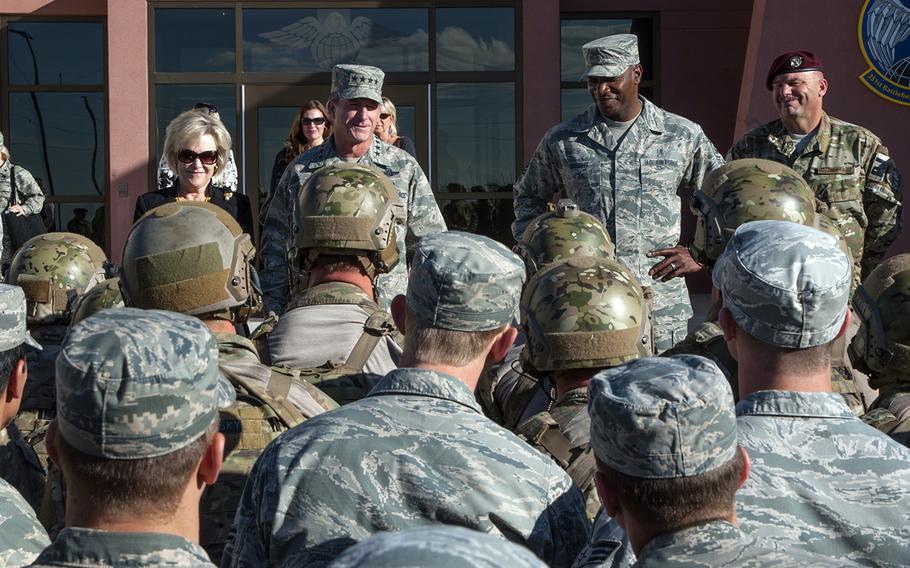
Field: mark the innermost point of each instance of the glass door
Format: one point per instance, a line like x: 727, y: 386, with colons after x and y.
x: 270, y: 109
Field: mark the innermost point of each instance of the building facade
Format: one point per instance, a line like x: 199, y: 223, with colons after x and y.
x: 87, y: 87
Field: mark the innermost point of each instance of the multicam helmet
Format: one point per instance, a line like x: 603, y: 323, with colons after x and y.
x: 54, y: 269
x: 743, y: 191
x: 563, y: 233
x: 103, y: 296
x: 349, y: 209
x: 882, y: 303
x: 581, y: 313
x: 189, y: 257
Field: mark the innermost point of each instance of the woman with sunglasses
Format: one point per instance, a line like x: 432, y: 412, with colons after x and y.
x: 310, y: 128
x: 387, y: 128
x: 196, y: 148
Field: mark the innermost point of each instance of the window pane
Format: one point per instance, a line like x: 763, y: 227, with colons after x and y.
x: 407, y: 123
x: 274, y: 129
x: 171, y: 100
x: 88, y: 223
x: 60, y: 138
x: 575, y: 33
x: 475, y: 39
x: 194, y: 40
x: 56, y: 53
x: 288, y: 40
x: 490, y: 217
x: 475, y: 136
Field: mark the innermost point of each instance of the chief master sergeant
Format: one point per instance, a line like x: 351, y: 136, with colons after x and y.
x: 847, y: 166
x: 624, y: 160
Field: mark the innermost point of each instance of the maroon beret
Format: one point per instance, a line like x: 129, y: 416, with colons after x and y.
x: 793, y: 62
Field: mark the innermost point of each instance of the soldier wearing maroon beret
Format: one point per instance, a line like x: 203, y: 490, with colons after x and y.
x: 846, y: 165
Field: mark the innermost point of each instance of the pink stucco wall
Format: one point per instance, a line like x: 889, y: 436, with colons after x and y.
x: 782, y: 26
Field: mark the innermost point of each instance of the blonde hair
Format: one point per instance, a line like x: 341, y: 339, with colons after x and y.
x: 4, y: 153
x: 189, y: 127
x: 389, y: 107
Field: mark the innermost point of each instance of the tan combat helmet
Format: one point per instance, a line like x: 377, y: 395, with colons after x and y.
x: 581, y: 313
x: 743, y: 191
x: 882, y: 303
x: 54, y: 269
x: 563, y: 233
x: 190, y: 257
x: 349, y: 209
x: 104, y: 296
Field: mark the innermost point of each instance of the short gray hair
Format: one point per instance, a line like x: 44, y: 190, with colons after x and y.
x: 189, y: 127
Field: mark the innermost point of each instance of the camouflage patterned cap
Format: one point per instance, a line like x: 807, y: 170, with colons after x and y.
x: 137, y: 383
x: 785, y: 284
x: 439, y: 546
x: 662, y: 417
x: 12, y: 319
x: 357, y: 82
x: 465, y: 282
x: 610, y: 56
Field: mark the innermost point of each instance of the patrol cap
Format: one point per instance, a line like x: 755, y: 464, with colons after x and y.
x: 137, y: 383
x: 662, y: 417
x: 793, y: 62
x: 357, y: 82
x: 610, y: 56
x: 439, y: 546
x: 465, y: 282
x: 12, y: 319
x: 785, y: 284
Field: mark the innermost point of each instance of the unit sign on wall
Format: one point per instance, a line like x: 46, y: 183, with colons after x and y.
x: 884, y: 29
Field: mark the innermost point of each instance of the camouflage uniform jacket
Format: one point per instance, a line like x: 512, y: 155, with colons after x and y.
x: 20, y: 467
x: 719, y: 543
x: 237, y: 357
x: 890, y: 412
x: 88, y: 547
x: 849, y: 169
x: 821, y: 480
x: 421, y: 212
x: 631, y: 188
x: 508, y: 395
x: 21, y: 535
x: 563, y: 432
x: 30, y: 196
x: 416, y: 451
x: 331, y: 317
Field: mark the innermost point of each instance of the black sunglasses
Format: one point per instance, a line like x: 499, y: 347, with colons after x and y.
x: 188, y: 157
x: 384, y: 115
x: 318, y: 121
x: 210, y: 108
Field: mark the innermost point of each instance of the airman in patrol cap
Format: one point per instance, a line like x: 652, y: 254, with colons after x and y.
x: 394, y: 452
x: 21, y: 535
x: 136, y: 436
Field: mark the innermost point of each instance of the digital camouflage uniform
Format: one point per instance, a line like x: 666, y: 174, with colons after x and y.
x: 439, y: 547
x: 821, y: 480
x: 117, y: 352
x: 21, y: 535
x: 422, y: 216
x: 349, y: 213
x: 668, y: 418
x: 882, y: 346
x: 632, y: 187
x: 582, y: 313
x: 417, y: 450
x: 738, y: 192
x: 30, y: 196
x: 86, y: 547
x: 850, y: 170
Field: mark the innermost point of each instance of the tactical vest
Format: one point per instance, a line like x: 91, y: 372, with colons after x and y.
x: 39, y: 404
x: 543, y: 432
x: 256, y: 418
x: 345, y: 382
x: 891, y: 415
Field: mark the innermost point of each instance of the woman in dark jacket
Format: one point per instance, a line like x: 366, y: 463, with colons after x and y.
x: 196, y: 147
x: 310, y: 128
